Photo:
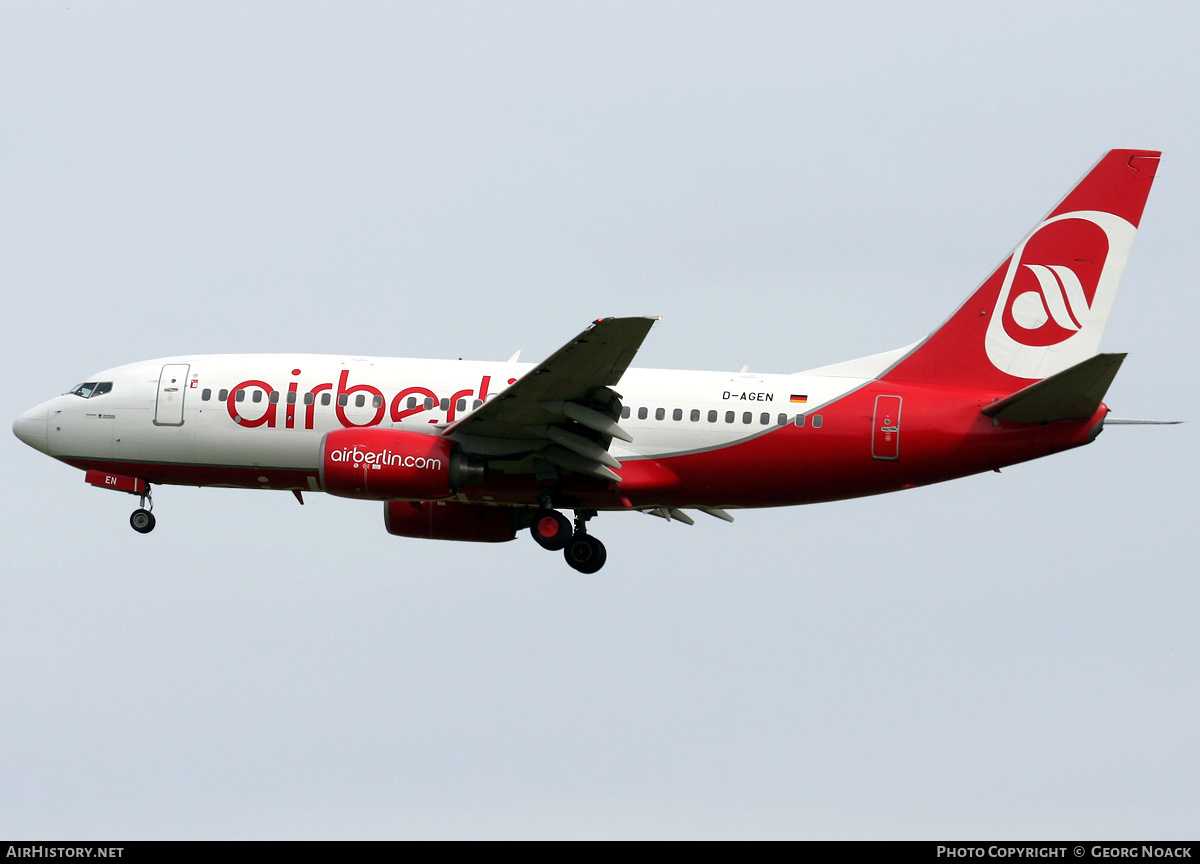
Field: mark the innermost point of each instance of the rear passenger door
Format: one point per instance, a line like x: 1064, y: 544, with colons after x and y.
x: 885, y: 438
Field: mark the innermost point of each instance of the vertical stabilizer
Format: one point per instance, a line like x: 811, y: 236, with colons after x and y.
x: 1045, y: 308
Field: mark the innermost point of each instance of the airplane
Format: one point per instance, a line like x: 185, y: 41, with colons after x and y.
x: 479, y: 450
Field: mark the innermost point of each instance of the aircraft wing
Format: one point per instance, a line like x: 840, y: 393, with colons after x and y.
x: 564, y: 409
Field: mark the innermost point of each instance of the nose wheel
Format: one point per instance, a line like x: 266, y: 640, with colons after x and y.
x: 142, y: 520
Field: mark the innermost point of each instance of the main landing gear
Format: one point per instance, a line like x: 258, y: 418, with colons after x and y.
x: 585, y: 553
x: 552, y: 530
x: 142, y: 520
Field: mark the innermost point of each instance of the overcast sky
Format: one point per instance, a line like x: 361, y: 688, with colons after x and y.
x: 787, y: 185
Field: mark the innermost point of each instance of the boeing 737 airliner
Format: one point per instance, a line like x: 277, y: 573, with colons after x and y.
x: 461, y: 450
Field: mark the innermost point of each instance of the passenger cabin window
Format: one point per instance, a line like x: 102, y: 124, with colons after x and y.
x: 659, y: 413
x: 343, y: 398
x: 476, y: 404
x: 240, y: 396
x: 765, y: 419
x: 695, y: 415
x: 461, y: 406
x: 677, y: 414
x: 747, y: 417
x: 360, y: 400
x: 412, y: 402
x: 625, y: 412
x: 205, y: 394
x: 782, y: 419
x: 817, y: 421
x: 310, y: 398
x: 642, y: 413
x: 428, y: 404
x: 257, y: 397
x: 712, y: 416
x: 444, y: 405
x: 223, y: 395
x: 729, y: 415
x: 274, y: 397
x: 799, y: 419
x: 325, y: 399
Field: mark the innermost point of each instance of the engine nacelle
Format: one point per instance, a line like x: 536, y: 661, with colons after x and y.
x: 449, y: 520
x: 388, y: 464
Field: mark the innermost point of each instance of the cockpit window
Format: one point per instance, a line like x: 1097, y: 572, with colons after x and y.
x: 91, y: 388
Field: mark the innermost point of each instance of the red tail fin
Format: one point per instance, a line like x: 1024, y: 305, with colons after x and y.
x: 1045, y: 307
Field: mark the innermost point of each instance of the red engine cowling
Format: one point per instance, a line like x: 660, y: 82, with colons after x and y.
x: 449, y: 520
x: 386, y: 464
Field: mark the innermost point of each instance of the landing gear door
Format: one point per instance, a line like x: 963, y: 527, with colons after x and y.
x: 885, y: 437
x: 172, y: 384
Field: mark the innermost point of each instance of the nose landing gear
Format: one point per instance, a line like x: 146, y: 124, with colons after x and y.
x: 142, y: 520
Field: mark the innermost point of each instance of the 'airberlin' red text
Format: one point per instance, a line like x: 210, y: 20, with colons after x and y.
x: 385, y: 457
x: 407, y: 403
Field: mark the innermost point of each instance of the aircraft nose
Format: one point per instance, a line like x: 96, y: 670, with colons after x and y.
x: 30, y: 427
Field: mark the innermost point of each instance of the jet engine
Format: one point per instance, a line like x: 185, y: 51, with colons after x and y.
x: 450, y: 520
x: 389, y: 464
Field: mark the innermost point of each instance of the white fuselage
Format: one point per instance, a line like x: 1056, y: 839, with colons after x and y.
x: 171, y: 410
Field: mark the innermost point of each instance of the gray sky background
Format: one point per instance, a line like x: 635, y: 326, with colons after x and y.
x: 787, y: 185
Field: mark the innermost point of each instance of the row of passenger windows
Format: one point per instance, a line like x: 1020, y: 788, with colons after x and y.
x: 360, y: 400
x: 764, y: 419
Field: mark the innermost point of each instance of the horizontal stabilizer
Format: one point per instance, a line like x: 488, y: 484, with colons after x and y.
x: 1122, y: 421
x: 1073, y: 394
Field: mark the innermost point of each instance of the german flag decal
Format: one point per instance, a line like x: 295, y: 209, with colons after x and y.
x: 799, y: 399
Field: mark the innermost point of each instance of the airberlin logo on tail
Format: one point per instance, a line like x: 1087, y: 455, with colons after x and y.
x: 380, y: 458
x: 1060, y: 299
x: 1057, y: 293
